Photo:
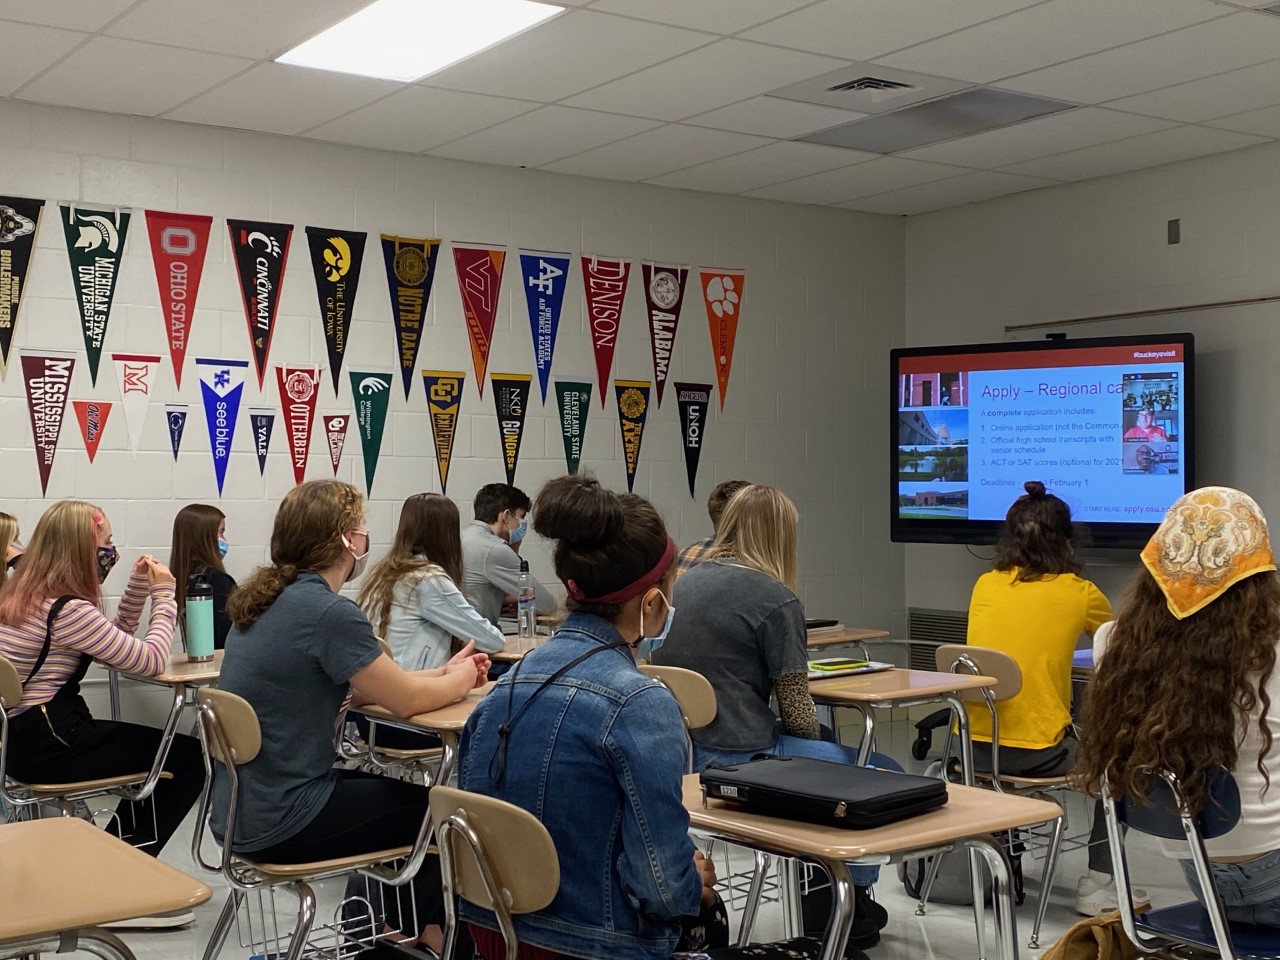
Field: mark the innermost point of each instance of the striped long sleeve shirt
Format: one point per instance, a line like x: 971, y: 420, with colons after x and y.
x: 82, y: 628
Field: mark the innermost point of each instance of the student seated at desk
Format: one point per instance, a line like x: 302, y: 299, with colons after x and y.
x: 295, y: 651
x: 1189, y: 683
x: 491, y: 551
x: 719, y: 498
x: 199, y: 544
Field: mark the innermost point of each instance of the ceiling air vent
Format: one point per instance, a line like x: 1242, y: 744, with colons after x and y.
x: 871, y: 83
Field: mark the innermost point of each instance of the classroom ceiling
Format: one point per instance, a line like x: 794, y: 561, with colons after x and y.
x: 727, y: 96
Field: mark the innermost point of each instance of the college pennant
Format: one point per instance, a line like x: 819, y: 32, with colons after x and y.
x: 574, y: 400
x: 444, y: 399
x: 47, y: 378
x: 262, y: 420
x: 299, y: 390
x: 92, y: 416
x: 604, y: 281
x: 693, y: 399
x: 411, y: 270
x: 19, y: 220
x: 336, y: 259
x: 371, y: 393
x: 95, y: 243
x: 511, y: 398
x: 260, y: 250
x: 335, y: 429
x: 722, y: 292
x: 134, y: 372
x: 545, y: 276
x: 175, y: 415
x: 663, y: 296
x: 480, y: 281
x: 633, y: 408
x: 221, y: 386
x: 179, y: 242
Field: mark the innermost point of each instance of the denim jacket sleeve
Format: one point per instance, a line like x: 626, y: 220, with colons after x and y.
x: 647, y: 744
x: 442, y: 603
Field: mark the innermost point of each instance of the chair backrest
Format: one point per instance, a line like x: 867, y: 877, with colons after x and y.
x: 693, y: 692
x: 962, y: 658
x: 236, y: 725
x: 10, y: 685
x: 1159, y: 814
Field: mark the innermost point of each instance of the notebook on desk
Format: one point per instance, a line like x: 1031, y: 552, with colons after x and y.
x: 828, y: 667
x: 820, y: 626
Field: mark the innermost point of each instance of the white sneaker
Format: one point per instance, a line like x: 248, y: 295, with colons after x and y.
x: 162, y: 921
x: 1095, y: 897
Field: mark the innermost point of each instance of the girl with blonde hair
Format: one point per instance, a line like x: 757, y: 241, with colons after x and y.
x: 11, y: 544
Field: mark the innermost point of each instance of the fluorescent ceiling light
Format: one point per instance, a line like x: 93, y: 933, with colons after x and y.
x: 410, y: 39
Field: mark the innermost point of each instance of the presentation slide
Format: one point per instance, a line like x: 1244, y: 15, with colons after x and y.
x: 1101, y: 426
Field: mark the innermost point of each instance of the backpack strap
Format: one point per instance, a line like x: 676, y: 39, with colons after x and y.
x: 48, y: 635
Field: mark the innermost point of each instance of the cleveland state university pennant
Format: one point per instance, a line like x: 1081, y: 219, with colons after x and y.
x: 544, y: 277
x: 262, y: 421
x: 371, y: 393
x: 663, y: 297
x: 511, y: 399
x: 574, y: 400
x: 480, y: 282
x: 47, y: 379
x: 299, y: 390
x: 179, y: 242
x: 136, y: 374
x: 175, y: 415
x: 221, y: 387
x: 411, y: 270
x: 633, y: 409
x: 95, y: 244
x: 604, y: 281
x: 92, y: 417
x: 336, y: 259
x: 694, y: 400
x: 444, y: 400
x: 19, y: 220
x: 722, y: 292
x: 260, y: 250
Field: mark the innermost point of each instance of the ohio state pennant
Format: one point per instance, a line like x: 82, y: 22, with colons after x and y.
x: 95, y: 244
x: 574, y: 400
x: 179, y: 242
x: 480, y: 281
x: 336, y: 259
x: 92, y: 416
x: 694, y: 399
x: 47, y: 378
x: 633, y: 409
x: 299, y: 390
x: 19, y: 220
x: 411, y: 270
x: 136, y: 374
x: 604, y: 281
x: 175, y: 415
x: 722, y: 292
x: 371, y: 392
x: 262, y: 421
x: 444, y: 399
x: 663, y: 297
x: 544, y: 277
x: 335, y: 430
x: 511, y: 398
x: 260, y: 250
x: 221, y: 386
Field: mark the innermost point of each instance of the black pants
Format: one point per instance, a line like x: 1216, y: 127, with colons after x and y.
x: 68, y: 744
x: 393, y: 738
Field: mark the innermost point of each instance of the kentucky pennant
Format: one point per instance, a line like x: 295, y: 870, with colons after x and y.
x: 176, y: 416
x: 95, y: 243
x: 480, y: 281
x: 411, y: 270
x: 511, y: 398
x: 633, y: 408
x: 179, y: 242
x: 544, y: 276
x: 136, y: 373
x: 47, y: 377
x: 604, y: 279
x: 335, y: 428
x: 336, y: 259
x: 19, y: 218
x: 262, y: 421
x: 444, y: 398
x: 663, y: 296
x: 299, y: 390
x: 372, y: 395
x: 722, y: 292
x: 92, y: 416
x: 574, y: 399
x: 221, y: 385
x: 693, y: 399
x: 260, y: 250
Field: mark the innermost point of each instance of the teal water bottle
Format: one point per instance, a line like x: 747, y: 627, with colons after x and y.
x: 199, y: 617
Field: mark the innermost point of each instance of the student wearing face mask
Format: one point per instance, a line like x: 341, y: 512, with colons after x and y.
x: 199, y: 545
x: 490, y: 551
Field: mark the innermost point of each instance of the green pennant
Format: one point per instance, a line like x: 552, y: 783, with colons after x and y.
x: 574, y: 399
x: 372, y: 395
x: 95, y: 243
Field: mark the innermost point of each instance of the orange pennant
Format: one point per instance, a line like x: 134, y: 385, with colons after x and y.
x: 722, y: 292
x: 92, y: 415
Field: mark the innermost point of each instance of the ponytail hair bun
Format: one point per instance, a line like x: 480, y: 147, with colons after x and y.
x: 578, y: 512
x: 1035, y: 489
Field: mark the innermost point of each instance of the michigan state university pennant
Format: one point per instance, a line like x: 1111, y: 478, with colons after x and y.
x: 260, y: 250
x: 411, y: 270
x: 480, y: 281
x: 544, y: 276
x: 47, y: 377
x: 175, y: 415
x: 633, y: 408
x: 604, y: 280
x: 299, y: 390
x: 371, y: 393
x: 95, y: 243
x: 336, y: 259
x: 511, y: 398
x: 221, y: 386
x: 92, y: 416
x: 444, y: 399
x: 179, y: 242
x: 262, y: 421
x: 574, y: 400
x: 722, y: 292
x: 694, y: 399
x: 335, y: 431
x: 663, y: 296
x: 19, y: 219
x: 136, y: 374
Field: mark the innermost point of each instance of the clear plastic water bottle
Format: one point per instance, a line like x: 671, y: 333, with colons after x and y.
x: 526, y: 607
x: 199, y: 618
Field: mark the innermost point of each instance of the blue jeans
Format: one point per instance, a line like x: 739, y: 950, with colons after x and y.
x: 1250, y: 891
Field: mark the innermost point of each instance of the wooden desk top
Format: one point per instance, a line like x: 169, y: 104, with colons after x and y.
x: 829, y: 638
x: 969, y: 811
x: 450, y: 719
x: 896, y: 684
x: 64, y: 874
x: 181, y: 670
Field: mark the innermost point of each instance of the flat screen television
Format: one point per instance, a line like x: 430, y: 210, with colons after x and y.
x: 1106, y: 424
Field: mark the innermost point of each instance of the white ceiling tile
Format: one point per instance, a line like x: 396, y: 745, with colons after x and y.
x: 572, y: 53
x: 723, y: 73
x: 1152, y: 149
x: 72, y: 14
x: 757, y: 168
x: 1265, y: 123
x: 122, y: 76
x: 863, y: 180
x: 865, y: 29
x: 1049, y: 33
x: 543, y: 136
x: 278, y: 98
x: 1208, y: 48
x: 29, y: 49
x: 715, y: 16
x: 1039, y: 138
x: 1237, y: 91
x: 656, y: 152
x: 242, y: 28
x: 418, y: 118
x: 774, y: 117
x: 970, y: 188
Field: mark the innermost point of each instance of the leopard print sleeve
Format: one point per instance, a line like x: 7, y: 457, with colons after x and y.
x: 799, y: 718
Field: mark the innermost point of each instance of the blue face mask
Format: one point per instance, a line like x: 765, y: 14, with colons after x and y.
x: 516, y: 535
x: 648, y: 646
x: 223, y: 547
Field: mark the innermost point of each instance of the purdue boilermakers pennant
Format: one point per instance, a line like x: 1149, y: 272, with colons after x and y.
x: 260, y: 250
x: 19, y: 220
x: 336, y: 259
x: 95, y: 244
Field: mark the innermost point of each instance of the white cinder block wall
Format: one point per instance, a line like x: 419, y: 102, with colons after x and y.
x: 806, y: 406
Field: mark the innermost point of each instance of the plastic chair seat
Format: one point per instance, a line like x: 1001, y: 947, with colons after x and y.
x: 106, y: 783
x: 1025, y: 783
x: 292, y: 870
x: 409, y: 756
x: 1189, y: 923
